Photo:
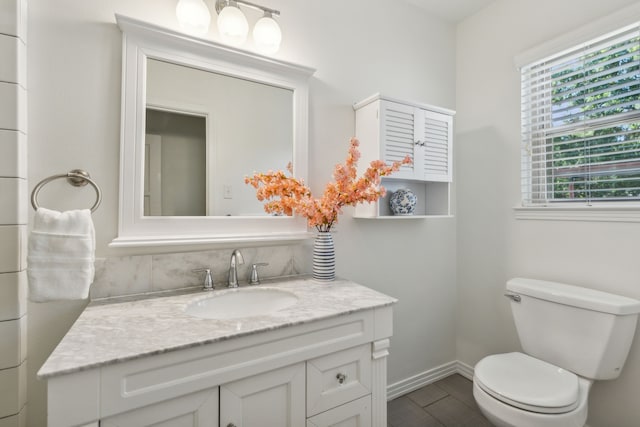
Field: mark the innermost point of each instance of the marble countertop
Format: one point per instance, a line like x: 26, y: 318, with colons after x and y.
x: 114, y: 332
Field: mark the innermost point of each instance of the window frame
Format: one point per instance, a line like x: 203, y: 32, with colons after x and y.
x: 614, y: 211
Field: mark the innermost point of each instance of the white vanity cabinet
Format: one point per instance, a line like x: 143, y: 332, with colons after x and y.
x: 274, y: 398
x: 322, y: 373
x: 390, y: 129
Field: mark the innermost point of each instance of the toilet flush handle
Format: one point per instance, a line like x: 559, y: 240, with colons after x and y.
x: 513, y: 297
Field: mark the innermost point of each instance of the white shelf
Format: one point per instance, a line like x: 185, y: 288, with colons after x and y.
x: 397, y: 217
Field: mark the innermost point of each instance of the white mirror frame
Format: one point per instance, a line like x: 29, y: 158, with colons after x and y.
x: 142, y: 40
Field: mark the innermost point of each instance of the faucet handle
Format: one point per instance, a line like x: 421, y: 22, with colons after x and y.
x: 208, y: 280
x: 254, y: 279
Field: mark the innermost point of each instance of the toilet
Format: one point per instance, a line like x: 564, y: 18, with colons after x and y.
x: 571, y: 336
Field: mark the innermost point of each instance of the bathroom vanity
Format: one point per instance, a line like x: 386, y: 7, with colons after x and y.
x: 318, y: 362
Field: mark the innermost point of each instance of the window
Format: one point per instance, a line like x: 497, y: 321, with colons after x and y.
x: 581, y: 123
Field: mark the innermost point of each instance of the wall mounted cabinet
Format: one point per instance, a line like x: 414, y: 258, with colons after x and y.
x: 390, y: 129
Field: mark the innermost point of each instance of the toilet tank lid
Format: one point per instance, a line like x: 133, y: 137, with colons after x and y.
x: 589, y: 299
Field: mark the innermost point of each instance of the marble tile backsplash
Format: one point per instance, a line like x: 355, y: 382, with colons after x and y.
x: 129, y: 275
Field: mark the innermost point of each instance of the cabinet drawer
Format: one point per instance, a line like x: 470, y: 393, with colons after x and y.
x: 338, y: 378
x: 352, y: 414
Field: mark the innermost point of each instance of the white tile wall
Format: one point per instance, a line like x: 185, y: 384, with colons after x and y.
x: 12, y: 71
x: 12, y: 332
x: 19, y: 420
x: 9, y: 49
x: 10, y: 249
x: 13, y: 213
x: 13, y: 105
x: 9, y: 17
x: 13, y: 390
x: 13, y: 295
x: 23, y: 244
x: 13, y: 191
x: 13, y: 18
x: 13, y: 154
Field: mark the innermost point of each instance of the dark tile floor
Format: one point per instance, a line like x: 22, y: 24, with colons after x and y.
x: 445, y: 403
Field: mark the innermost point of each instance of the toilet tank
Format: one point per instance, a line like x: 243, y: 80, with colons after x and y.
x: 582, y: 330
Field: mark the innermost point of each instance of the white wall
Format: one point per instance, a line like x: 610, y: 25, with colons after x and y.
x: 492, y: 246
x: 358, y: 47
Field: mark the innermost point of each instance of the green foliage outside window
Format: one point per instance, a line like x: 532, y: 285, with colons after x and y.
x: 601, y: 162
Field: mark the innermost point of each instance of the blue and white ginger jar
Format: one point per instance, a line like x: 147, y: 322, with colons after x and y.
x: 403, y: 202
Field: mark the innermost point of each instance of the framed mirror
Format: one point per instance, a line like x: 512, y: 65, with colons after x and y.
x: 197, y: 117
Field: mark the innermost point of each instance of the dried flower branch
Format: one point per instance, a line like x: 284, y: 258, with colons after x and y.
x: 285, y: 194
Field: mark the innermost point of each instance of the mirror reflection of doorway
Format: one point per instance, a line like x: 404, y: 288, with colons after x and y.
x: 152, y: 175
x: 175, y: 178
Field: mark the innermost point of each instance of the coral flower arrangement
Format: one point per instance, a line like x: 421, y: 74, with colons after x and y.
x: 286, y: 195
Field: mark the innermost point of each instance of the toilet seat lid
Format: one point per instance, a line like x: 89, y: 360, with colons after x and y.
x: 528, y: 383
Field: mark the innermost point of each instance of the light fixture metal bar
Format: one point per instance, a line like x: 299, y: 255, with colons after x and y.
x: 220, y: 4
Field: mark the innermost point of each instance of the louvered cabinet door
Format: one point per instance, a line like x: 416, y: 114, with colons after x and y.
x: 399, y: 128
x: 436, y: 141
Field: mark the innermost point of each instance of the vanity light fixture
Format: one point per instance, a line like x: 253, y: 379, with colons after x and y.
x: 232, y: 24
x: 193, y: 16
x: 234, y: 28
x: 266, y: 34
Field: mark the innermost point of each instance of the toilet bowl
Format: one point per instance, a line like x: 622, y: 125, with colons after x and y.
x: 571, y: 336
x: 516, y: 390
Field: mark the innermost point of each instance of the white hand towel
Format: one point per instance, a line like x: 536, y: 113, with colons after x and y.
x: 60, y: 262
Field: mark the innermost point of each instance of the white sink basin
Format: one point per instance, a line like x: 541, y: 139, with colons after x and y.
x: 241, y: 303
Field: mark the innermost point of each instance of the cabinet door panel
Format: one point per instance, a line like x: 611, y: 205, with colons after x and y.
x: 275, y: 398
x: 436, y: 156
x: 193, y: 410
x: 352, y: 414
x: 399, y: 125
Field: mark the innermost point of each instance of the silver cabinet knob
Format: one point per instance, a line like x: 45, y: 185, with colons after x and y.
x: 341, y: 378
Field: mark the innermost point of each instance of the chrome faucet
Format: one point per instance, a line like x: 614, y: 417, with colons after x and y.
x: 236, y: 258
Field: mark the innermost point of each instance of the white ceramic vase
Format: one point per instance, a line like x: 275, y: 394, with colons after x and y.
x: 324, y: 257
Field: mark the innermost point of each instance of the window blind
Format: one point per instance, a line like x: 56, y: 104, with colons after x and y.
x: 581, y: 123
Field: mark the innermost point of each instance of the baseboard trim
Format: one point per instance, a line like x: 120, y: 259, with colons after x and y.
x: 465, y: 370
x: 422, y: 379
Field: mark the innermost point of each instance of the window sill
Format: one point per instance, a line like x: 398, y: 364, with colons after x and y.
x: 627, y: 213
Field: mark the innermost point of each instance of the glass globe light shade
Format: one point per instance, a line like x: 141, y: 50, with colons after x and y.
x: 193, y: 16
x: 233, y: 25
x: 267, y: 34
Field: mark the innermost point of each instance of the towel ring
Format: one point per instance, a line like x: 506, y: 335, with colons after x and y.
x: 75, y: 177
